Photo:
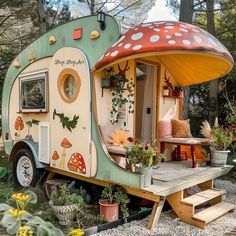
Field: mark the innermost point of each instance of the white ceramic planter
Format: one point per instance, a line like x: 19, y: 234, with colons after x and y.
x: 219, y: 158
x: 65, y: 214
x: 147, y: 172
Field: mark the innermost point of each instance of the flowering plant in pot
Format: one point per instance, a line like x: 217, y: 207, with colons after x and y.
x: 113, y: 198
x: 65, y: 204
x: 220, y: 140
x: 144, y: 157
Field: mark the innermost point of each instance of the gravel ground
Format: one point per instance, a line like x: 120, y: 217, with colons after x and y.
x: 170, y: 225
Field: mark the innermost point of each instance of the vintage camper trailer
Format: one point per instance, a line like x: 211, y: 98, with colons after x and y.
x: 62, y: 102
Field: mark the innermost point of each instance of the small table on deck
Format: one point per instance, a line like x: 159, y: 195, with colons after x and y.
x: 192, y: 142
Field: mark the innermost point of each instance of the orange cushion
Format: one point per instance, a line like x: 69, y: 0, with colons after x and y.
x: 181, y: 129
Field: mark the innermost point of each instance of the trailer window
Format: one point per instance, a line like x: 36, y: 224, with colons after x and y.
x: 33, y: 92
x: 68, y: 85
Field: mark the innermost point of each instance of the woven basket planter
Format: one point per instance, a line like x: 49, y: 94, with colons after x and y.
x: 65, y: 214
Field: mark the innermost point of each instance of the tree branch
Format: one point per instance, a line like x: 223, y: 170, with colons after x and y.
x: 131, y: 5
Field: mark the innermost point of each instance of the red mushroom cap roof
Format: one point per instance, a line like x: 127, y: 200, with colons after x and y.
x: 163, y: 36
x: 190, y: 54
x: 77, y: 161
x: 19, y: 124
x: 55, y: 156
x: 65, y: 143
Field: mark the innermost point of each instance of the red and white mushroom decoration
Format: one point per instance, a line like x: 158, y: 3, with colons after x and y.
x: 19, y: 125
x: 55, y: 156
x: 178, y: 46
x: 64, y: 144
x: 77, y: 163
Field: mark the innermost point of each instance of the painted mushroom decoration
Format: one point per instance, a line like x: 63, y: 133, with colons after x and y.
x: 55, y: 157
x: 19, y: 125
x: 190, y: 54
x: 64, y: 144
x: 77, y: 163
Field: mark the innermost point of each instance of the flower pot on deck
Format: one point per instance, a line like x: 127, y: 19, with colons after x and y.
x: 109, y: 212
x: 219, y: 158
x: 147, y: 172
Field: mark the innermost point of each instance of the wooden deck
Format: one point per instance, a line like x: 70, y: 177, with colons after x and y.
x: 173, y: 192
x: 163, y: 189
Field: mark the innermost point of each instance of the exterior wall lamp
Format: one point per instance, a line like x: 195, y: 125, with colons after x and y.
x: 101, y: 20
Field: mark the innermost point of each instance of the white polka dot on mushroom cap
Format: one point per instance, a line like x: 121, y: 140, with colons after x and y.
x: 137, y: 36
x: 183, y: 30
x: 196, y: 30
x: 178, y: 34
x: 169, y: 27
x: 168, y: 36
x: 154, y: 38
x: 119, y: 45
x: 169, y: 24
x: 127, y: 45
x: 184, y: 26
x: 136, y: 29
x: 197, y: 39
x: 150, y: 27
x: 119, y: 40
x: 171, y: 42
x: 113, y: 54
x: 186, y: 42
x: 137, y: 47
x: 108, y: 54
x: 166, y: 31
x: 157, y: 30
x: 146, y: 25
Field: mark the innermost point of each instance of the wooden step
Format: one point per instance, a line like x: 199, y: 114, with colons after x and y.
x: 202, y: 197
x: 213, y: 212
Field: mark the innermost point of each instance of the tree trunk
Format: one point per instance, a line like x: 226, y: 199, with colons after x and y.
x: 186, y: 15
x: 92, y: 7
x: 214, y: 106
x: 42, y: 17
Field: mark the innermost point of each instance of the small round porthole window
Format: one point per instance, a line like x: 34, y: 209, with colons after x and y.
x: 68, y: 85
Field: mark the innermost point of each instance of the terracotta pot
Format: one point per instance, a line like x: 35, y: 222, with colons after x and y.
x: 109, y: 212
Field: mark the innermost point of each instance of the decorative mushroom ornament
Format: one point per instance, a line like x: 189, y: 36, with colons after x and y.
x: 55, y: 157
x: 19, y: 125
x: 77, y: 163
x: 64, y: 144
x: 189, y: 53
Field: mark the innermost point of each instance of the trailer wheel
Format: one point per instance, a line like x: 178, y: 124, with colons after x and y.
x: 25, y: 172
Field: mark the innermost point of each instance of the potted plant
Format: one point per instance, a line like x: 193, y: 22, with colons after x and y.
x: 178, y: 92
x: 107, y: 79
x: 166, y: 91
x: 113, y: 198
x: 220, y: 140
x: 65, y: 204
x: 143, y: 157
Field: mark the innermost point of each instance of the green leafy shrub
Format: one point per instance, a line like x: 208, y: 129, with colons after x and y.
x: 115, y: 194
x: 63, y: 197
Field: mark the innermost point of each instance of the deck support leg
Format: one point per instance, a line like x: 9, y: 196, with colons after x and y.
x: 156, y: 212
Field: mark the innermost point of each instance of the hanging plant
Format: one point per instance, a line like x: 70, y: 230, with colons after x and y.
x: 122, y: 92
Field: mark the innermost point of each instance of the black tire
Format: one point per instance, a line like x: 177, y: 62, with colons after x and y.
x: 28, y: 176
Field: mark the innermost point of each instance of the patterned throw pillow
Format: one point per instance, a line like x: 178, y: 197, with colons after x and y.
x: 181, y: 129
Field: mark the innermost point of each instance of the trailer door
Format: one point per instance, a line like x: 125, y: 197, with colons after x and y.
x: 70, y: 113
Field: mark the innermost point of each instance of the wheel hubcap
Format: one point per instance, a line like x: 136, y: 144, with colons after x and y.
x: 24, y: 171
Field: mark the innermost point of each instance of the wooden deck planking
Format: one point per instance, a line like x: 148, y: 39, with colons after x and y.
x: 214, y: 212
x: 202, y: 197
x: 162, y: 188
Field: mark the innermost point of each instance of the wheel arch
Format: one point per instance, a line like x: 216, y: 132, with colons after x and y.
x: 32, y: 147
